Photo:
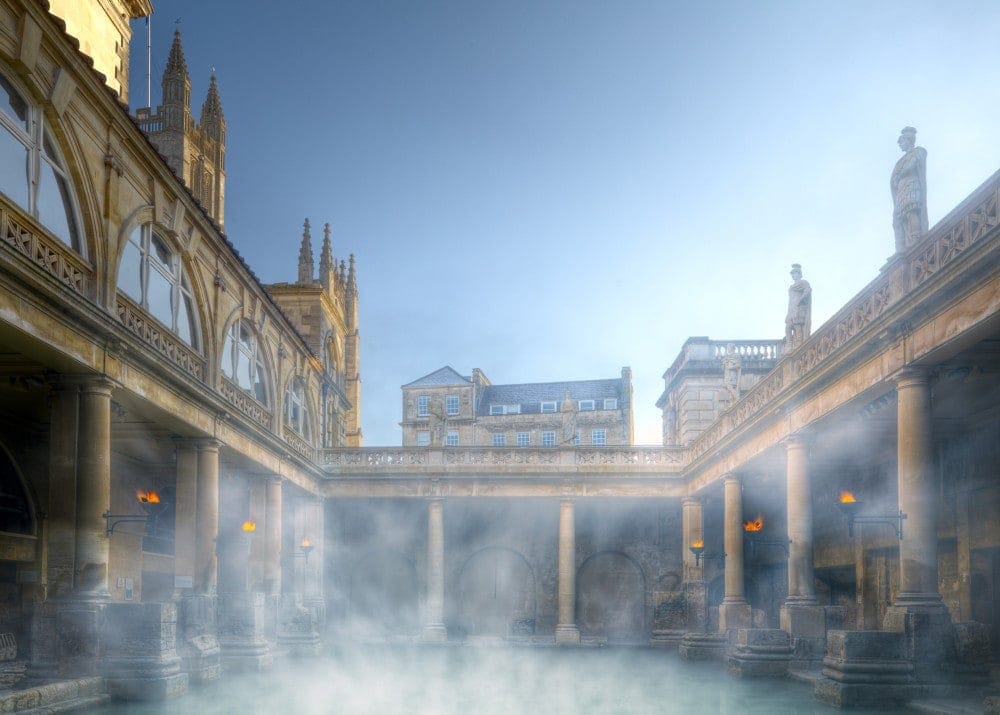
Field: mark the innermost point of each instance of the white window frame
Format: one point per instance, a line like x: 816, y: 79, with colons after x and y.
x: 499, y: 439
x: 599, y: 437
x: 611, y: 403
x: 241, y: 341
x: 505, y: 409
x: 548, y: 439
x: 523, y: 439
x: 41, y: 152
x: 585, y: 405
x: 297, y: 417
x: 576, y: 439
x: 424, y: 406
x: 423, y: 438
x: 181, y: 297
x: 548, y: 406
x: 451, y: 439
x: 452, y: 405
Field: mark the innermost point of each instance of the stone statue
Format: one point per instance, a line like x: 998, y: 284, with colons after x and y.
x: 909, y: 191
x: 798, y: 321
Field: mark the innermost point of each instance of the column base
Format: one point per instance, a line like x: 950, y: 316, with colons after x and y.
x: 197, y: 642
x: 702, y: 646
x: 241, y: 632
x: 928, y: 635
x: 567, y: 635
x: 734, y: 615
x: 865, y: 669
x: 140, y: 659
x: 760, y: 653
x: 434, y: 633
x: 666, y: 638
x: 296, y: 628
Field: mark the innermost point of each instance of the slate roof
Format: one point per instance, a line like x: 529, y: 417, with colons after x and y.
x: 444, y: 376
x: 529, y: 396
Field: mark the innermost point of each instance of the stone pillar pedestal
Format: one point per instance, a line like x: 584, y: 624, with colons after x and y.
x: 759, y: 653
x: 567, y: 632
x: 241, y: 632
x: 702, y: 646
x: 865, y: 669
x: 79, y: 631
x: 297, y: 627
x: 140, y: 657
x: 805, y: 623
x: 197, y: 642
x: 434, y: 630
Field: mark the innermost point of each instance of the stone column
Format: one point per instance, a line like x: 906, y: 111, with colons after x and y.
x: 567, y: 632
x: 272, y: 526
x: 695, y: 593
x: 800, y: 527
x: 734, y: 612
x: 62, y: 490
x: 185, y: 511
x: 207, y: 519
x: 434, y: 629
x: 918, y: 499
x: 93, y: 488
x: 800, y: 617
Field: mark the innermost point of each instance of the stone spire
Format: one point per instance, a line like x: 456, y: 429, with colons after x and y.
x: 327, y: 266
x: 342, y: 277
x: 352, y: 282
x: 176, y: 86
x: 213, y: 122
x: 306, y: 256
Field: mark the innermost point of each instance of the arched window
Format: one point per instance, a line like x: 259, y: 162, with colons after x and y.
x: 152, y: 275
x: 297, y: 409
x: 242, y: 361
x: 31, y: 172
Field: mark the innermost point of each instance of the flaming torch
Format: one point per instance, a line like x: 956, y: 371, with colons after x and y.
x: 697, y: 548
x: 754, y: 525
x: 307, y: 546
x: 248, y: 527
x: 850, y: 507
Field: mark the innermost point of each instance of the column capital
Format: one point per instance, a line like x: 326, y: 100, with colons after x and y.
x: 207, y: 444
x: 800, y: 439
x: 911, y: 376
x: 274, y: 479
x: 90, y: 383
x: 690, y: 501
x: 730, y: 477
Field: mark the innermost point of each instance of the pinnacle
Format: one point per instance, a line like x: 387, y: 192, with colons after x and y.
x: 212, y: 107
x: 175, y: 61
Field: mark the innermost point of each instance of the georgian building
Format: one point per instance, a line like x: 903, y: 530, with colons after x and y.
x: 445, y: 408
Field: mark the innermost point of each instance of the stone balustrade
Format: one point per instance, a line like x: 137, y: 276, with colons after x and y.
x: 25, y: 236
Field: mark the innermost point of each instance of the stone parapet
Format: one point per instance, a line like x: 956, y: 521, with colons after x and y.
x: 759, y: 653
x: 140, y: 655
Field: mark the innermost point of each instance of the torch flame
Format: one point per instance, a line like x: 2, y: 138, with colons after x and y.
x: 249, y: 526
x: 698, y: 544
x: 149, y: 497
x: 306, y: 544
x: 847, y: 498
x: 754, y: 524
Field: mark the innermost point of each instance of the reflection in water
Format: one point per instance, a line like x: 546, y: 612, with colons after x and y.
x: 491, y: 681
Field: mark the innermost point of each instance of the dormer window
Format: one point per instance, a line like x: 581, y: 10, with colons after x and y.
x: 549, y: 406
x: 611, y: 403
x: 505, y: 409
x: 585, y: 405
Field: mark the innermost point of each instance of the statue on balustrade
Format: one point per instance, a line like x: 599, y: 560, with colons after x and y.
x: 909, y: 191
x: 798, y: 321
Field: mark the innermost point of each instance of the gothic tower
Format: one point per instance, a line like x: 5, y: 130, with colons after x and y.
x: 196, y: 152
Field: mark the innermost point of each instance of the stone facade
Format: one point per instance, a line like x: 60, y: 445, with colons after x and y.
x: 448, y: 409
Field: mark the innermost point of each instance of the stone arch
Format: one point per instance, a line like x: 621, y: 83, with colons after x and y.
x: 496, y: 594
x: 274, y: 399
x: 381, y: 596
x: 611, y: 598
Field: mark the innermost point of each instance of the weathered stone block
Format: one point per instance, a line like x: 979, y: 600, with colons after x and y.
x: 198, y: 645
x: 802, y: 621
x: 78, y: 634
x: 297, y: 629
x: 733, y: 616
x: 241, y: 632
x: 140, y: 660
x: 702, y: 646
x: 759, y: 652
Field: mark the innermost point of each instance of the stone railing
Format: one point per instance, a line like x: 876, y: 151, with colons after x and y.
x: 153, y: 334
x: 48, y: 253
x: 301, y: 447
x: 375, y: 461
x: 242, y: 401
x: 970, y: 222
x: 747, y: 349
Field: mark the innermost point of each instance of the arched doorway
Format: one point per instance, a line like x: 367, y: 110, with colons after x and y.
x: 496, y: 594
x: 382, y: 595
x: 611, y: 598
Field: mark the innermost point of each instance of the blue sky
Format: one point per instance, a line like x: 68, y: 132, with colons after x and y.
x: 553, y: 190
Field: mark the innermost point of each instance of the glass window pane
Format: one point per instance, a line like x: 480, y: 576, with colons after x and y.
x: 53, y: 204
x: 243, y: 370
x: 259, y: 387
x: 12, y: 104
x: 13, y: 168
x: 158, y: 297
x: 129, y: 280
x: 185, y: 321
x: 159, y: 251
x: 227, y: 356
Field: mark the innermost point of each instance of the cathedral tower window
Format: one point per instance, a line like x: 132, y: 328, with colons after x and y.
x: 297, y: 409
x: 152, y: 275
x: 32, y: 174
x: 242, y: 361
